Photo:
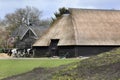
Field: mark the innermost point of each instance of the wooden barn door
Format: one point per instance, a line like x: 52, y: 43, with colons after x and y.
x: 53, y: 48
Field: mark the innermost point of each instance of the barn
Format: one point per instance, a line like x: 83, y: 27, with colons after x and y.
x: 81, y: 32
x: 24, y: 36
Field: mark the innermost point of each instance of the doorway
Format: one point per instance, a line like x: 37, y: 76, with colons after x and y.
x: 53, y: 48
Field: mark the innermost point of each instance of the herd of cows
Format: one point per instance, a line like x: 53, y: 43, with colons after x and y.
x: 19, y: 52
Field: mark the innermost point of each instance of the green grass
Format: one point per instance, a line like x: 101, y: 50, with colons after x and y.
x: 105, y: 66
x: 11, y: 67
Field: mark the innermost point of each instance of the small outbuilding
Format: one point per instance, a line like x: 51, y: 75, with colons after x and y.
x: 24, y: 36
x: 82, y: 32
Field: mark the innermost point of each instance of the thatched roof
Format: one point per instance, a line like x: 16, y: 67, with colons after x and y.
x: 85, y: 27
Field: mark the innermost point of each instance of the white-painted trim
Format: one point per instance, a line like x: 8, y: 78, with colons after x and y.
x: 27, y: 31
x: 33, y: 32
x: 24, y: 34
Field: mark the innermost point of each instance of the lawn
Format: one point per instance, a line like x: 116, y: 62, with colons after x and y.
x: 9, y: 67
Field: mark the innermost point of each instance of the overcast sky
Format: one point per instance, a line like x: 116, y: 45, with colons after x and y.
x: 50, y: 6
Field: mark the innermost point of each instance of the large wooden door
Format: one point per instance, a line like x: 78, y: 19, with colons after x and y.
x: 53, y: 48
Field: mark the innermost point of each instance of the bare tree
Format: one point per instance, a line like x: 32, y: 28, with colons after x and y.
x: 28, y: 15
x: 3, y: 34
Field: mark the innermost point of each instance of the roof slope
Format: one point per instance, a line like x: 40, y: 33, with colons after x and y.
x: 85, y: 27
x: 61, y: 29
x: 21, y: 31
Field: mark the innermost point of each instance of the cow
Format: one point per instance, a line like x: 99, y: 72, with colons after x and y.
x: 14, y: 52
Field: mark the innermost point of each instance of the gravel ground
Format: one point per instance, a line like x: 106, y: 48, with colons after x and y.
x: 3, y: 55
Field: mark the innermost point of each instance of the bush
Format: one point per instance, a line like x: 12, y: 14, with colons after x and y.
x: 1, y: 51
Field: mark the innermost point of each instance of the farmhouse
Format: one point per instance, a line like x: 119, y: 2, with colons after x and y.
x: 27, y: 35
x: 82, y: 32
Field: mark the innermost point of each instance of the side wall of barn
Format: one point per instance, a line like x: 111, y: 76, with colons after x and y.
x: 66, y: 51
x: 73, y: 51
x: 62, y: 51
x: 92, y: 50
x: 40, y: 51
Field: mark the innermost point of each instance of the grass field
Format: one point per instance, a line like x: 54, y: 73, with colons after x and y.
x: 9, y: 67
x: 105, y: 66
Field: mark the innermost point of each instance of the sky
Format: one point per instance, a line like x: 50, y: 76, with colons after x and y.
x: 49, y: 7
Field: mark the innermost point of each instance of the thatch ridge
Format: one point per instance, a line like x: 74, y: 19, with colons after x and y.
x: 70, y: 9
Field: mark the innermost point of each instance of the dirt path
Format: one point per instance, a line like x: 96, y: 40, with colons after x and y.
x: 38, y: 74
